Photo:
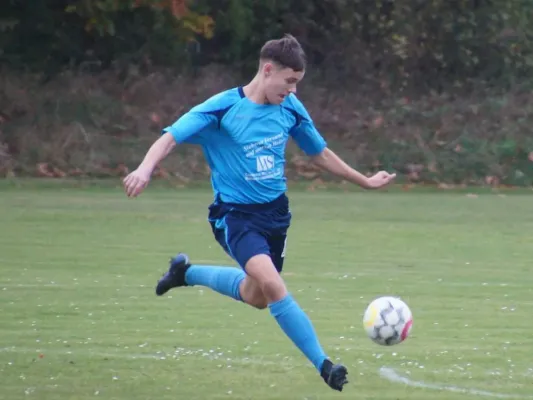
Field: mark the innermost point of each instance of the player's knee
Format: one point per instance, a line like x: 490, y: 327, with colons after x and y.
x: 260, y: 304
x: 252, y: 294
x: 262, y: 270
x: 256, y: 298
x: 274, y: 289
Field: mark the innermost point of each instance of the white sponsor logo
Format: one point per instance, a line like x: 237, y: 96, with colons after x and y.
x: 264, y: 163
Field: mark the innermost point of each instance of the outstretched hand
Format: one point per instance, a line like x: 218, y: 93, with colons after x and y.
x: 382, y: 178
x: 136, y: 181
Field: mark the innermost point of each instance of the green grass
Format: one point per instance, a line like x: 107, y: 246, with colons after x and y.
x: 79, y: 318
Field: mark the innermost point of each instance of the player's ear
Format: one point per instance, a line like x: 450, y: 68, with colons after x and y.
x: 268, y: 69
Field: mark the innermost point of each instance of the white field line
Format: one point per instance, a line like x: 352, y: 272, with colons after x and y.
x: 392, y: 376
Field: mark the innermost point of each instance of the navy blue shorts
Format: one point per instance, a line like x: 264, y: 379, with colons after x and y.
x: 246, y: 230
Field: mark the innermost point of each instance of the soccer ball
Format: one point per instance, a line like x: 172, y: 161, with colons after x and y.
x: 388, y: 321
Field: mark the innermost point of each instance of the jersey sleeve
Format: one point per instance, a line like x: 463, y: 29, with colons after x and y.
x: 187, y: 128
x: 304, y: 131
x: 190, y: 126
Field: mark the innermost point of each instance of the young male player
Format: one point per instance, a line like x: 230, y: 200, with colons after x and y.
x: 243, y: 132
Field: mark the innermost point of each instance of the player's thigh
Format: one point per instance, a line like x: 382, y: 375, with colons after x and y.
x: 277, y: 245
x: 243, y: 239
x: 240, y: 238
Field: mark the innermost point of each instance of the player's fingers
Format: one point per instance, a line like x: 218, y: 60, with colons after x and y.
x: 128, y: 181
x: 128, y: 190
x: 139, y: 187
x: 132, y: 186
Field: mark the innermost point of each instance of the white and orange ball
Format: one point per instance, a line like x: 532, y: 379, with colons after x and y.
x: 388, y: 320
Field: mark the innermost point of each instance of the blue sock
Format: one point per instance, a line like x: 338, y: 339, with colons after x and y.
x: 298, y: 327
x: 224, y: 280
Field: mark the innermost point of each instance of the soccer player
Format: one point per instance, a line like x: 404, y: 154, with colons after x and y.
x: 243, y: 133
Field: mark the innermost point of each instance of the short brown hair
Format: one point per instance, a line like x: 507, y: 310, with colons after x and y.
x: 286, y: 52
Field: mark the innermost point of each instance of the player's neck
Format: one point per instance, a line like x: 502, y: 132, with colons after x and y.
x: 254, y: 92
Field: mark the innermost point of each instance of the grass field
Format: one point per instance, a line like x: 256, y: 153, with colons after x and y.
x: 79, y: 318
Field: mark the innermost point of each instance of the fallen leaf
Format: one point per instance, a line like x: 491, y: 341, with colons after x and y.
x: 42, y: 170
x: 155, y: 118
x: 58, y: 173
x: 378, y: 122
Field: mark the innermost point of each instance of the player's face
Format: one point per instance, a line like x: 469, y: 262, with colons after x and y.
x: 280, y: 82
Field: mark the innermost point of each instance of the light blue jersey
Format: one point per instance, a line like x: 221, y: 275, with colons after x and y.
x: 244, y: 143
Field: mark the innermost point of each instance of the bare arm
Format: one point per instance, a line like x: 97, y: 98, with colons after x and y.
x: 183, y: 130
x: 157, y: 152
x: 135, y: 182
x: 332, y: 163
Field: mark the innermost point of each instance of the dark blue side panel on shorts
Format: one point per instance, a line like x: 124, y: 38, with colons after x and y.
x: 246, y: 230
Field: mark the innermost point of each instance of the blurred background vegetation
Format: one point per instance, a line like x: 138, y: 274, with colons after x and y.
x: 439, y: 90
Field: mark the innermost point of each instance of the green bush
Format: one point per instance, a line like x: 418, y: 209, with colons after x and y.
x: 430, y: 43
